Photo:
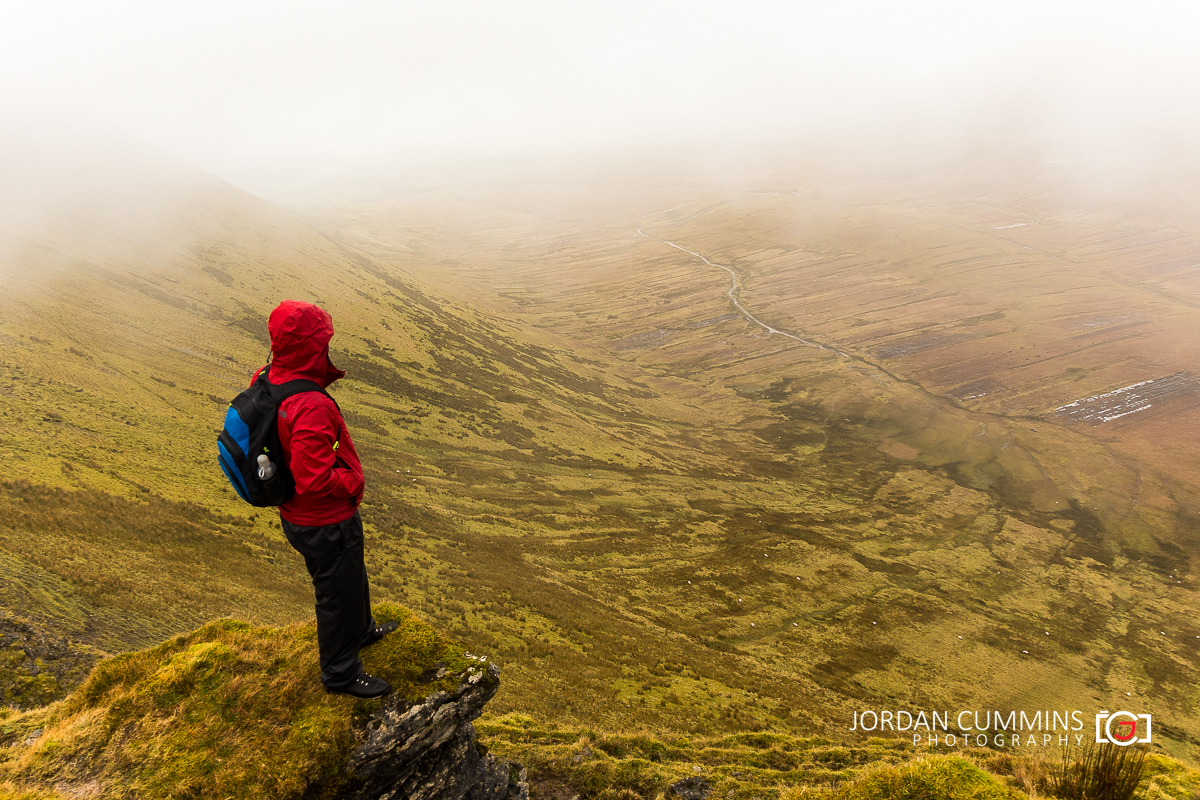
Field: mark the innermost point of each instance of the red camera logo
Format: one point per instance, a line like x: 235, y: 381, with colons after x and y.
x: 1123, y: 728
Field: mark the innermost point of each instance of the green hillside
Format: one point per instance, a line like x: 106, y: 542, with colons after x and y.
x: 731, y: 533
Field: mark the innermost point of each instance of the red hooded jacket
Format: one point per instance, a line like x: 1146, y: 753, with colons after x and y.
x: 316, y: 442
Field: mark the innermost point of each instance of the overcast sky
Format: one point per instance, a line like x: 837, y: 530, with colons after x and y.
x: 222, y: 82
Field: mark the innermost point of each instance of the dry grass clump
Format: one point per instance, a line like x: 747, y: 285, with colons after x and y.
x: 229, y: 710
x: 1099, y: 772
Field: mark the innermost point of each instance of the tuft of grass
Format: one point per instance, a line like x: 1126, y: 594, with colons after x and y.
x: 926, y: 779
x: 1100, y: 772
x: 1032, y: 774
x: 230, y: 710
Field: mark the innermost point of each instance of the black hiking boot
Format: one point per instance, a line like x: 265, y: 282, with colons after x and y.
x: 362, y: 686
x: 377, y: 632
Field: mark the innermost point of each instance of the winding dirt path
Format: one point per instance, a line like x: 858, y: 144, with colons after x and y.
x: 735, y: 289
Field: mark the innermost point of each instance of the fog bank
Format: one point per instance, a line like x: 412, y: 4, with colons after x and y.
x: 232, y: 86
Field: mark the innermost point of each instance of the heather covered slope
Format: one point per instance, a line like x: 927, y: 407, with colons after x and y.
x: 580, y: 461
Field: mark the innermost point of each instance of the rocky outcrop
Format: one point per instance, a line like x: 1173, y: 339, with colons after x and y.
x: 427, y: 750
x: 227, y: 690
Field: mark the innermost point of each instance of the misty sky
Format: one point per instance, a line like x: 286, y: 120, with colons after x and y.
x: 220, y: 82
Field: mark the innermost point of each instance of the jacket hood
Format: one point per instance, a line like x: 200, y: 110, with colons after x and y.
x: 300, y: 334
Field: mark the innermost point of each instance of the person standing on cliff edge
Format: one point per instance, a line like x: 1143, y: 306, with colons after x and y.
x: 321, y: 520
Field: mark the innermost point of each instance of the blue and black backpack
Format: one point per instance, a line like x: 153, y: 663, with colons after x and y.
x: 248, y: 447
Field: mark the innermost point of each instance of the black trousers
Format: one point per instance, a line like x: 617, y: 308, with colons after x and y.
x: 334, y: 557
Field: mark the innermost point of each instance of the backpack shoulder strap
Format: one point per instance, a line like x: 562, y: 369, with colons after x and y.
x: 282, y: 391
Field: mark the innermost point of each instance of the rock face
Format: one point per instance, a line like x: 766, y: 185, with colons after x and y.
x: 427, y: 750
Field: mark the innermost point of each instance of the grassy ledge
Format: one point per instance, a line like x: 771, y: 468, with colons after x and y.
x: 599, y: 765
x: 229, y: 710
